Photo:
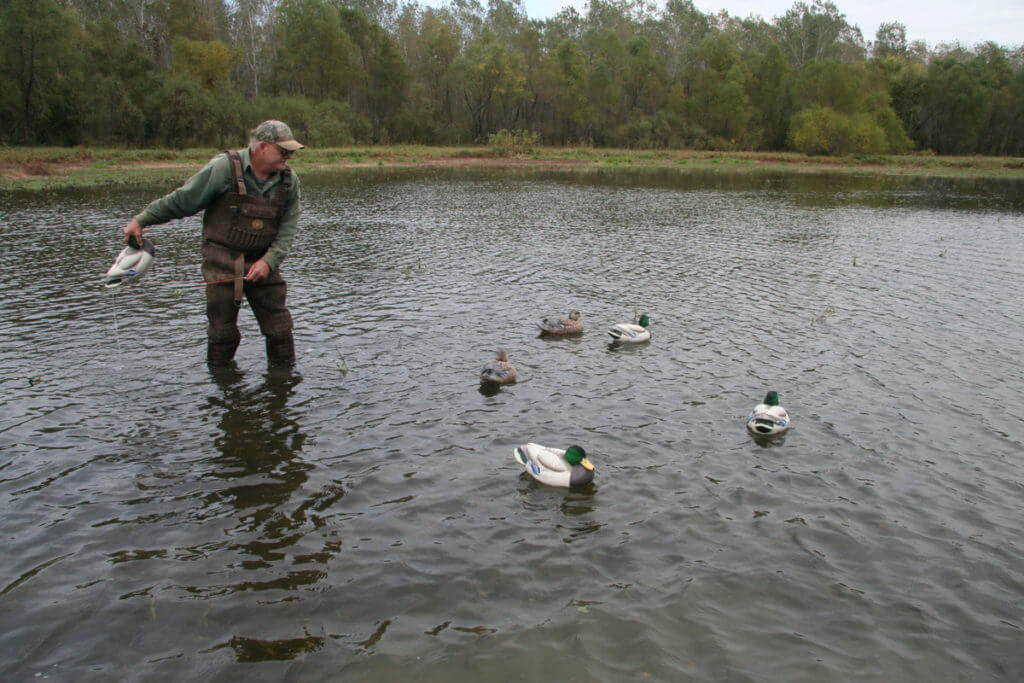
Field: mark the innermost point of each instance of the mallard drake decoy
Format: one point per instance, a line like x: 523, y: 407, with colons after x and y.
x: 499, y: 370
x: 131, y: 264
x: 632, y: 333
x: 570, y: 325
x: 554, y: 467
x: 768, y: 418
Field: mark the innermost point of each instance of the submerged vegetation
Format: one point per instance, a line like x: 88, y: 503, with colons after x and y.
x: 623, y: 74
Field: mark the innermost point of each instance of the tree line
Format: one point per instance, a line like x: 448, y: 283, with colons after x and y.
x: 621, y: 73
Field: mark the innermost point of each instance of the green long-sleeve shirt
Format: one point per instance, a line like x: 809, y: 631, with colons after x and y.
x: 214, y: 180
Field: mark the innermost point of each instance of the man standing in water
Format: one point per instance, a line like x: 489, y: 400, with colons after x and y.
x: 251, y: 201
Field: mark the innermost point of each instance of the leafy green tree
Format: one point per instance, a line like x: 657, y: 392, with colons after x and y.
x: 251, y: 23
x: 831, y: 84
x: 528, y: 43
x: 621, y: 16
x: 683, y: 30
x: 141, y: 22
x: 993, y: 70
x: 181, y: 111
x: 506, y: 20
x: 890, y: 41
x: 817, y: 31
x: 115, y: 86
x: 621, y: 72
x: 568, y: 23
x: 851, y: 90
x: 907, y: 86
x: 469, y: 16
x: 606, y: 59
x: 331, y: 125
x: 209, y: 62
x: 35, y: 38
x: 877, y: 105
x: 382, y: 76
x: 380, y: 12
x: 771, y: 93
x: 1011, y: 135
x: 418, y: 121
x: 751, y: 34
x: 573, y: 117
x: 643, y: 82
x: 316, y: 56
x: 489, y: 78
x: 432, y: 42
x: 720, y: 104
x: 204, y: 20
x: 952, y: 108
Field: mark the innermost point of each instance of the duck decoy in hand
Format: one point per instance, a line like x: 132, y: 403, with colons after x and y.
x: 499, y: 370
x: 570, y: 325
x: 768, y: 418
x: 554, y: 467
x: 632, y: 333
x: 131, y: 264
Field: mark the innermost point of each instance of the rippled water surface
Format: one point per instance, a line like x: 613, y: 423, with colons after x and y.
x: 362, y: 516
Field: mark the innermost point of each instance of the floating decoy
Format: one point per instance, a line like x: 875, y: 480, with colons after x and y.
x: 634, y: 332
x: 768, y: 418
x: 554, y: 467
x: 570, y: 325
x: 499, y: 370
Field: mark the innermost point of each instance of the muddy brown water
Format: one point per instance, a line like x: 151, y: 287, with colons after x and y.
x: 362, y: 515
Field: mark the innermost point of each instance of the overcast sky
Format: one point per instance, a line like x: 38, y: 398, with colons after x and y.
x: 935, y: 21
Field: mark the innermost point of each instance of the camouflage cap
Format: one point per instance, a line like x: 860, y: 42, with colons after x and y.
x: 278, y: 133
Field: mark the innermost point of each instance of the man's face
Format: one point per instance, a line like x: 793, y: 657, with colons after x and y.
x: 274, y: 156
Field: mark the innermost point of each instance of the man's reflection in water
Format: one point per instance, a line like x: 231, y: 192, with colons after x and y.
x: 260, y: 459
x: 260, y: 444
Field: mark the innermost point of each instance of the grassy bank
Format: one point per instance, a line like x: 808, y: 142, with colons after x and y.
x: 58, y: 167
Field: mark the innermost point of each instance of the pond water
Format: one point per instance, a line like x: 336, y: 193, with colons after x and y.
x: 362, y: 515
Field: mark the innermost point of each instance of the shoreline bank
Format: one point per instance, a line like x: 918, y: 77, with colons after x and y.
x: 49, y: 168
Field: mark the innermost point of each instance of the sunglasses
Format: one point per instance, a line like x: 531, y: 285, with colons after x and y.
x: 285, y: 152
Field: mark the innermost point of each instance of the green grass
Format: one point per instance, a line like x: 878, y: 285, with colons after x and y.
x: 41, y: 168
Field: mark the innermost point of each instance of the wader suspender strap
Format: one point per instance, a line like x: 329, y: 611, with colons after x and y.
x: 236, y: 168
x: 238, y: 257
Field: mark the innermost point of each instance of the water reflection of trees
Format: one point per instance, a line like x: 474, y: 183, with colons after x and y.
x: 258, y: 650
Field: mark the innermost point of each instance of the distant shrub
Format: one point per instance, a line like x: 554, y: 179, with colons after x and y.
x: 330, y: 125
x: 182, y: 110
x: 412, y: 126
x: 822, y: 130
x: 866, y: 136
x: 297, y: 112
x: 664, y: 130
x: 889, y: 122
x: 637, y: 133
x: 508, y: 142
x: 325, y: 123
x: 130, y: 122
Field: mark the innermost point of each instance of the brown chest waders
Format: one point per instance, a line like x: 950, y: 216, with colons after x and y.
x: 238, y: 227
